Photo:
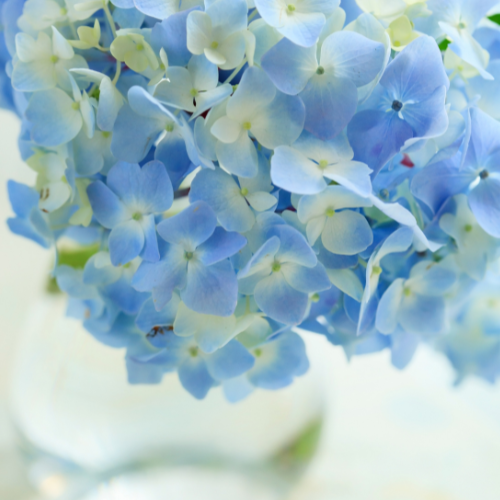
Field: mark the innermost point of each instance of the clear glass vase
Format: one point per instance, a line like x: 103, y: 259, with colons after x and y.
x: 88, y: 434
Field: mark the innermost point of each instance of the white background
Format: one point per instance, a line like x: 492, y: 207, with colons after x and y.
x: 389, y: 435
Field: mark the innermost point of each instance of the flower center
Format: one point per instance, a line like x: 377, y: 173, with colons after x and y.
x: 54, y: 59
x: 330, y: 212
x: 214, y: 45
x: 257, y: 353
x: 315, y: 297
x: 137, y: 216
x: 320, y: 70
x: 188, y: 255
x: 397, y: 105
x: 276, y: 267
x: 376, y: 270
x: 63, y: 11
x: 468, y: 228
x: 407, y: 292
x: 76, y: 106
x: 193, y: 92
x: 323, y: 164
x: 484, y: 174
x: 291, y: 8
x: 244, y: 191
x: 247, y: 126
x: 169, y: 127
x: 193, y: 351
x: 139, y: 47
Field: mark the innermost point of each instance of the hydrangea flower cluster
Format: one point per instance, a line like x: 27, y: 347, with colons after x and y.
x: 240, y: 168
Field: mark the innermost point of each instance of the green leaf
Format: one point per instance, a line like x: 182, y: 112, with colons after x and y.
x: 76, y: 258
x: 444, y: 44
x: 495, y: 18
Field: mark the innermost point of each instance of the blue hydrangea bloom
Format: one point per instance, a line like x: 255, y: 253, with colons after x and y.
x: 237, y: 168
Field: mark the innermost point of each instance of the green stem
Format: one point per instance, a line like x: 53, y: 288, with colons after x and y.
x: 236, y: 71
x: 118, y: 72
x: 252, y: 15
x: 110, y: 19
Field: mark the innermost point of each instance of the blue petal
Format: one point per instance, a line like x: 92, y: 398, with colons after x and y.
x: 107, y: 208
x: 171, y: 35
x: 150, y: 250
x: 191, y: 227
x: 277, y: 299
x: 435, y: 184
x: 221, y: 192
x: 195, y: 377
x: 147, y: 189
x: 125, y: 242
x: 133, y: 135
x: 211, y: 290
x: 278, y: 362
x: 149, y: 317
x: 376, y: 136
x: 417, y: 71
x: 172, y: 152
x: 124, y: 296
x: 220, y: 246
x: 22, y: 198
x: 230, y: 361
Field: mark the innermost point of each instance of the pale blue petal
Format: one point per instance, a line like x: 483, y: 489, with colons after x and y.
x: 353, y: 57
x: 415, y: 308
x: 403, y: 348
x: 262, y: 258
x: 267, y: 126
x: 389, y: 306
x: 238, y: 158
x: 305, y: 279
x: 347, y: 233
x: 54, y: 120
x: 290, y: 67
x: 294, y: 247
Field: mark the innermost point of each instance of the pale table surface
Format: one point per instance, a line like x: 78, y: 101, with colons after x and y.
x: 389, y: 436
